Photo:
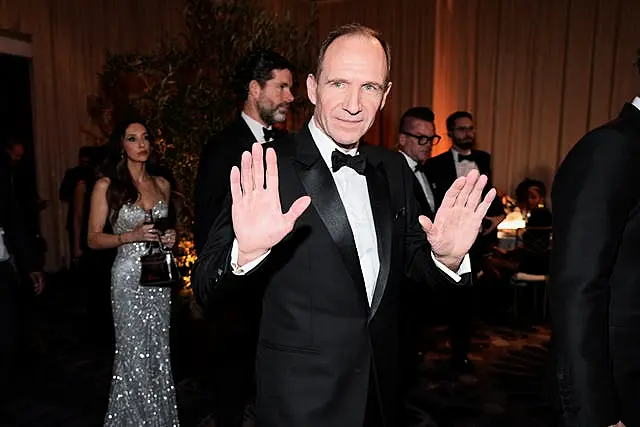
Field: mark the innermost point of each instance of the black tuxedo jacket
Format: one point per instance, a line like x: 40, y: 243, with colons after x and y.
x: 595, y: 275
x: 320, y: 341
x: 212, y: 183
x: 17, y: 237
x: 441, y: 172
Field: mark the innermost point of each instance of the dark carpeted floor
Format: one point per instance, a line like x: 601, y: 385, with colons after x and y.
x: 64, y: 376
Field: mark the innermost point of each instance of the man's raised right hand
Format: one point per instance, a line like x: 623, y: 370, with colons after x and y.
x: 258, y: 221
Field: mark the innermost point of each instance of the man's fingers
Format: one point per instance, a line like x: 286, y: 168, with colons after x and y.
x: 476, y: 193
x: 483, y: 207
x: 258, y: 165
x: 272, y: 170
x: 425, y: 223
x: 452, y: 193
x: 296, y: 209
x: 469, y: 183
x: 236, y: 188
x: 246, y: 175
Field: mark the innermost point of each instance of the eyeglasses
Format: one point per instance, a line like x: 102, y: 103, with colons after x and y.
x: 465, y: 129
x: 423, y: 139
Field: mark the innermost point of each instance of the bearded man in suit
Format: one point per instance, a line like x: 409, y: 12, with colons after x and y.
x: 263, y: 83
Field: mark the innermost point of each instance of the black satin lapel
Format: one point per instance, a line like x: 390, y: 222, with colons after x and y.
x: 381, y: 209
x: 421, y: 198
x: 319, y: 184
x: 451, y: 171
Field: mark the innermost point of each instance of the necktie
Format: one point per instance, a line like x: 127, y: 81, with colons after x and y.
x: 269, y: 134
x: 339, y: 159
x: 467, y: 157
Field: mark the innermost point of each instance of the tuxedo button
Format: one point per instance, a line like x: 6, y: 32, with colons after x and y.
x: 357, y: 371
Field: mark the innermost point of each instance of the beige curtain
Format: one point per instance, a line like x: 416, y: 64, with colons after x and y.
x: 70, y: 38
x: 537, y: 74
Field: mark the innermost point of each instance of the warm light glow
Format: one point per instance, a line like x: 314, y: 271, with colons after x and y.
x: 186, y: 258
x: 513, y: 221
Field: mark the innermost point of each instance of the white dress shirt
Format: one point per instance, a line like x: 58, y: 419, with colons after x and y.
x: 255, y: 127
x: 422, y: 179
x: 354, y: 194
x: 463, y: 167
x: 636, y: 102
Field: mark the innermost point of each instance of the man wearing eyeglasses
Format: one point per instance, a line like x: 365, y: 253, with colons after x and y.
x: 416, y: 138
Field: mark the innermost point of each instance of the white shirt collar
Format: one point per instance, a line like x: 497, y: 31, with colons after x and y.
x: 412, y: 163
x: 255, y: 127
x: 325, y: 144
x: 636, y: 102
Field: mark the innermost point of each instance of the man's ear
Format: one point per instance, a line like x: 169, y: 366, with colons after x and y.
x: 384, y: 97
x: 402, y: 140
x: 312, y: 88
x: 254, y: 89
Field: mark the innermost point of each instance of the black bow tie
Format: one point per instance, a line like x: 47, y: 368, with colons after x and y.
x: 357, y: 162
x: 467, y: 157
x: 270, y: 134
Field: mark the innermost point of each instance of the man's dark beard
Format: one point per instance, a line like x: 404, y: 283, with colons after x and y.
x: 465, y: 144
x: 268, y: 114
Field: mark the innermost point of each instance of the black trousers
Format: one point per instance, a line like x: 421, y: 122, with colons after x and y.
x: 232, y: 376
x: 460, y: 306
x: 373, y: 416
x: 8, y: 326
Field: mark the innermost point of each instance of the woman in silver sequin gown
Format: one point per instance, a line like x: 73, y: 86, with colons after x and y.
x: 142, y: 389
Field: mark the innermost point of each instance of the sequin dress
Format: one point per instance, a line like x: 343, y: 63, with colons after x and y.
x: 142, y: 390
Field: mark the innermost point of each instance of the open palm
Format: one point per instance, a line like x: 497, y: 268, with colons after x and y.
x: 458, y: 220
x: 258, y: 220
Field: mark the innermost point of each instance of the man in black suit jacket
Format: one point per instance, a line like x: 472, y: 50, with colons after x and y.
x: 17, y: 249
x: 327, y: 354
x: 595, y: 275
x: 416, y: 137
x: 442, y: 171
x: 263, y: 82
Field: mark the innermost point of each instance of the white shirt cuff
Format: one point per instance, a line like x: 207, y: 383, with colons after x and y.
x: 244, y: 269
x: 465, y: 267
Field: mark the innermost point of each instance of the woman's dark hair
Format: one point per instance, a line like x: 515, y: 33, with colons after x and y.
x: 522, y: 190
x: 122, y: 189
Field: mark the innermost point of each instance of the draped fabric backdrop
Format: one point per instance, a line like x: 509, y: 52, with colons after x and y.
x: 69, y: 39
x: 536, y: 74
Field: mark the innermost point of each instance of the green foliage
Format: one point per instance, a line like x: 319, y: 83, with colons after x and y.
x: 183, y: 87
